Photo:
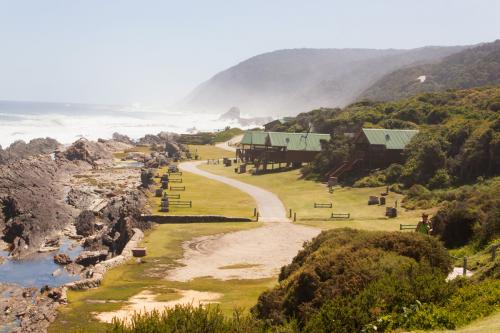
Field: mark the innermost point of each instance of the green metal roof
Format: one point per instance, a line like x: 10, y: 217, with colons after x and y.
x: 298, y: 141
x: 254, y: 138
x: 292, y: 141
x: 390, y: 138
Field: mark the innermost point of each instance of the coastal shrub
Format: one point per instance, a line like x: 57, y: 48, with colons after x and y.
x: 373, y: 180
x: 188, y: 319
x: 343, y: 265
x: 455, y: 223
x: 441, y: 179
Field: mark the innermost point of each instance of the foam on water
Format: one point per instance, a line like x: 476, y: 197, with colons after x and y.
x: 67, y: 123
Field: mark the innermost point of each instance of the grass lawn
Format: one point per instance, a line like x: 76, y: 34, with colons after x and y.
x: 209, y: 197
x: 300, y: 195
x: 164, y: 247
x: 206, y: 152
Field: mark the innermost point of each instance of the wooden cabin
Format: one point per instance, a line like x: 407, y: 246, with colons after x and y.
x: 375, y: 148
x: 263, y: 148
x: 380, y: 147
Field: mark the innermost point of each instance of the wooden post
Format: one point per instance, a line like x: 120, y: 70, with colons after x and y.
x: 257, y: 217
x: 290, y: 213
x: 295, y: 217
x: 465, y: 266
x: 255, y: 212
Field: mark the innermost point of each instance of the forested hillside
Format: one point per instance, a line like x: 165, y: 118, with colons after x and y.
x: 472, y: 67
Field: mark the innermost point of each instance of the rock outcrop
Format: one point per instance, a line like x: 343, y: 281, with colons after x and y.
x: 31, y: 203
x: 62, y: 259
x: 28, y: 310
x: 21, y: 150
x: 85, y: 223
x: 87, y: 258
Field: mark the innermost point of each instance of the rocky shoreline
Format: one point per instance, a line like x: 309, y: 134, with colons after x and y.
x: 76, y: 193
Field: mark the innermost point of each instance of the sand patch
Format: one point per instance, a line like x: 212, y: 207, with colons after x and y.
x: 145, y: 302
x: 268, y: 248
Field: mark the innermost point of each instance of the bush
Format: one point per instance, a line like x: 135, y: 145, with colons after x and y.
x: 455, y: 223
x: 440, y: 180
x: 393, y: 173
x: 374, y: 180
x: 188, y: 319
x: 370, y: 267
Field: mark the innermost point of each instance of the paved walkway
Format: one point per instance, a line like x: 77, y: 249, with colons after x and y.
x: 270, y: 207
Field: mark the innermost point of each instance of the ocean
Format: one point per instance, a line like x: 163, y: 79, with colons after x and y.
x: 68, y: 122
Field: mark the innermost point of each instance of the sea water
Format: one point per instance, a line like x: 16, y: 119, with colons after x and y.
x: 69, y: 122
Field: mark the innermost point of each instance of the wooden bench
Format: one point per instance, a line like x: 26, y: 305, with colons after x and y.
x: 177, y: 188
x: 407, y: 226
x: 181, y: 203
x: 323, y: 205
x: 175, y: 173
x: 340, y: 216
x: 171, y: 196
x: 178, y: 180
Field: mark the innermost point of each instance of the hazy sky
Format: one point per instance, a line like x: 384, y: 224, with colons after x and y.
x: 156, y: 52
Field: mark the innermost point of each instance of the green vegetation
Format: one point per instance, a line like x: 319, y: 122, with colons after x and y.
x: 472, y: 67
x: 190, y: 319
x: 209, y: 138
x: 348, y: 281
x: 164, y: 247
x: 353, y: 281
x: 459, y: 137
x: 209, y: 152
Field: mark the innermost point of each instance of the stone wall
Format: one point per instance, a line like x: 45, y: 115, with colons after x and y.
x: 161, y: 219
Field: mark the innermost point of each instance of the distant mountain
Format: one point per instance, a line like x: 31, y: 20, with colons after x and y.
x: 469, y: 68
x: 287, y: 82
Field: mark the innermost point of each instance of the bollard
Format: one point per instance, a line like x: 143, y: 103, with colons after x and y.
x: 465, y: 266
x: 255, y: 212
x: 294, y: 217
x: 257, y: 217
x: 290, y: 213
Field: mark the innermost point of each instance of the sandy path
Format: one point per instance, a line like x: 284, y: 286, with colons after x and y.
x: 145, y: 301
x: 264, y: 249
x: 229, y: 145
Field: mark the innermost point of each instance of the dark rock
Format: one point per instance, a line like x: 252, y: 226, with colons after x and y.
x: 62, y: 259
x: 31, y: 207
x: 85, y: 223
x: 88, y: 258
x: 52, y: 242
x: 21, y: 150
x: 88, y: 151
x: 122, y: 138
